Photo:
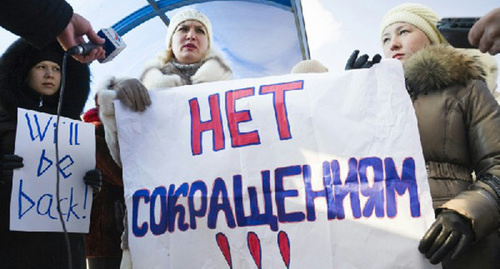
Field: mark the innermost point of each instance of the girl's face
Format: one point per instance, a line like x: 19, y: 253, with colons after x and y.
x: 190, y: 42
x: 45, y: 77
x: 401, y: 40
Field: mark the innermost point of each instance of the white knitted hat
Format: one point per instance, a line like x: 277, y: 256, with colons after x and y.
x: 417, y: 15
x: 187, y: 15
x: 308, y: 66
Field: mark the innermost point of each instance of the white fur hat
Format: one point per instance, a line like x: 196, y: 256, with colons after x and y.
x: 417, y: 15
x: 187, y: 15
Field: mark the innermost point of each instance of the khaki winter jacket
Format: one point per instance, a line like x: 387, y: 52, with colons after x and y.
x: 459, y: 125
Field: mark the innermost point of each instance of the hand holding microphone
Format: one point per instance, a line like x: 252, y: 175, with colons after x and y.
x: 73, y: 35
x: 112, y: 46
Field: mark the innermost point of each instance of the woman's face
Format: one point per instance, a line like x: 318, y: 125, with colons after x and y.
x: 401, y: 40
x: 45, y: 77
x: 190, y: 42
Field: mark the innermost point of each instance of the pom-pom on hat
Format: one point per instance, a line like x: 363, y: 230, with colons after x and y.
x: 187, y: 15
x: 417, y: 15
x: 309, y: 66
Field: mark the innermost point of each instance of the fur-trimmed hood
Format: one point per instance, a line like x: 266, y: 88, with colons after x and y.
x: 15, y: 64
x: 438, y: 67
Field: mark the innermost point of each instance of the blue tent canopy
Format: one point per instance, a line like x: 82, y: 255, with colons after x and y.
x: 159, y: 8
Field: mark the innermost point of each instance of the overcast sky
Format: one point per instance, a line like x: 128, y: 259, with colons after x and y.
x: 334, y: 28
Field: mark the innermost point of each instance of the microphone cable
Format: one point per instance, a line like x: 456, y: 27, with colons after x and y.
x: 59, y: 106
x: 81, y: 49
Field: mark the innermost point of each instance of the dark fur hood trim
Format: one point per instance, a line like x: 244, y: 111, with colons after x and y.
x: 438, y: 67
x: 14, y: 67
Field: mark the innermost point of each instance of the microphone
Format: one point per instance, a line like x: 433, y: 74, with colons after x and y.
x: 113, y: 45
x: 82, y: 49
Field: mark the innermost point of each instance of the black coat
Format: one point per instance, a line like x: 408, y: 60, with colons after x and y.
x: 37, y: 21
x: 34, y: 249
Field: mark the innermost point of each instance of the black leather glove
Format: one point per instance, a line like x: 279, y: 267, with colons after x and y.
x: 451, y: 233
x: 133, y: 94
x: 93, y: 178
x: 362, y: 62
x: 8, y: 162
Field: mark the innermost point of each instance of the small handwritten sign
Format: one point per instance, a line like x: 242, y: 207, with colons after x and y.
x: 34, y: 197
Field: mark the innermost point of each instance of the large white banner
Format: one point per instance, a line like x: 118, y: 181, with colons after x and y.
x: 295, y: 171
x: 34, y: 187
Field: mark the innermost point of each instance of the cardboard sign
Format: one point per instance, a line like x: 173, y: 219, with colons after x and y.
x: 297, y: 171
x: 34, y: 187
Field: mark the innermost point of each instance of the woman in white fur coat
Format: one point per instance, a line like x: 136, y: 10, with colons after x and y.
x: 189, y: 59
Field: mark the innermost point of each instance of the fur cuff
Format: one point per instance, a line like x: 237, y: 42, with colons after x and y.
x: 105, y: 97
x: 111, y: 136
x: 105, y: 101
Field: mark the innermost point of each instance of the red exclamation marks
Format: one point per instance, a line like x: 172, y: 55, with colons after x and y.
x: 254, y: 247
x: 224, y: 248
x: 284, y: 245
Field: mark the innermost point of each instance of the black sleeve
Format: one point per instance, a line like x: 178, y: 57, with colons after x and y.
x: 37, y: 21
